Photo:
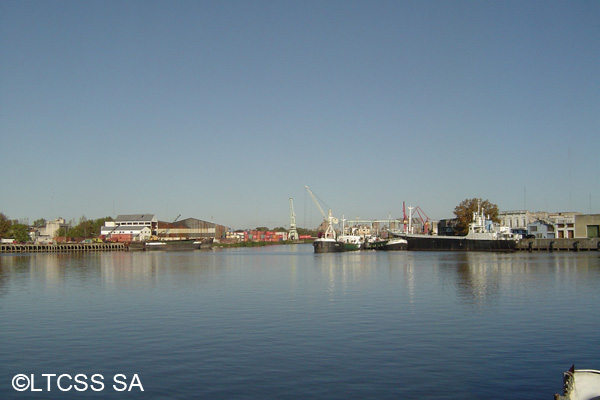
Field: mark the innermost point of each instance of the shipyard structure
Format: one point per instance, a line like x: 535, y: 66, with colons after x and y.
x: 144, y: 227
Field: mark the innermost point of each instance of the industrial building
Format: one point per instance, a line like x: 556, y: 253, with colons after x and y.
x: 140, y: 227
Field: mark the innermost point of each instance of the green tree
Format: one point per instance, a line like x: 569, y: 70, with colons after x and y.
x: 85, y: 229
x: 4, y: 225
x: 39, y: 222
x: 464, y: 213
x: 305, y: 231
x: 20, y: 233
x: 98, y: 223
x: 63, y: 232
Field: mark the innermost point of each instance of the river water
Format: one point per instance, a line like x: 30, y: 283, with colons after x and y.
x: 281, y: 322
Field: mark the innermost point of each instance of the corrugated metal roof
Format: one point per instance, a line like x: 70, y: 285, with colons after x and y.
x: 191, y: 223
x: 135, y: 217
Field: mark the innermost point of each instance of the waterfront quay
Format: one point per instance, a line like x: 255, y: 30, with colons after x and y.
x: 61, y: 247
x: 580, y: 244
x: 577, y: 244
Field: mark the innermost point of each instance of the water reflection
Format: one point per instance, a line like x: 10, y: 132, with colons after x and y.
x: 242, y: 321
x: 478, y: 278
x: 112, y: 270
x: 42, y: 270
x: 341, y: 269
x: 481, y: 277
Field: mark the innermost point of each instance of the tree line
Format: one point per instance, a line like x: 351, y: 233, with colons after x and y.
x: 86, y: 228
x: 13, y: 229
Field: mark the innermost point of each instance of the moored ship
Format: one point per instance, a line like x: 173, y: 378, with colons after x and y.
x: 482, y: 236
x: 395, y: 243
x: 173, y: 245
x: 328, y: 241
x: 391, y: 244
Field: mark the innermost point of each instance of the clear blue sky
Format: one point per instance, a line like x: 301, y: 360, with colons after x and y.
x: 222, y: 110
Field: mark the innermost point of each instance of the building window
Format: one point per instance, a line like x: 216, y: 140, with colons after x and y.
x: 593, y: 231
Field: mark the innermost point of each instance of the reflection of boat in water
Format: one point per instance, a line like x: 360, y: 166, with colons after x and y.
x: 173, y: 245
x: 580, y: 384
x: 482, y: 236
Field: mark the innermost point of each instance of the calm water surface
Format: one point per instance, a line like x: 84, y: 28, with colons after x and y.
x: 283, y: 323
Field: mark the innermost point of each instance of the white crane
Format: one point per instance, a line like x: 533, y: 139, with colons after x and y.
x: 293, y: 234
x: 329, y: 232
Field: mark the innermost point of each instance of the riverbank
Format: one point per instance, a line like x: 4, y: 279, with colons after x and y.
x: 61, y: 248
x: 87, y: 247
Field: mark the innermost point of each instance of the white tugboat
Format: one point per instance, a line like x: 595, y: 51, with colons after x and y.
x: 329, y: 242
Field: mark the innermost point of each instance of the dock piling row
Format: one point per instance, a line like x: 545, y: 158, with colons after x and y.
x: 61, y: 248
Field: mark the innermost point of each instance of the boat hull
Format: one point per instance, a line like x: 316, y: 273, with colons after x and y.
x: 205, y: 244
x: 395, y: 245
x: 376, y: 245
x: 178, y: 245
x: 453, y: 243
x: 332, y: 246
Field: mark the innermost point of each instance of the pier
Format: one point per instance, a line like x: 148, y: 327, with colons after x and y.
x: 581, y: 244
x: 61, y: 248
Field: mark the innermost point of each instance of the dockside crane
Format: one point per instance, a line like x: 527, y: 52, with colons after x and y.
x: 425, y: 220
x: 329, y: 232
x: 293, y: 234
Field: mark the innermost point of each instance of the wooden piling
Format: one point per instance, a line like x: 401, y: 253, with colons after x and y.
x: 61, y: 247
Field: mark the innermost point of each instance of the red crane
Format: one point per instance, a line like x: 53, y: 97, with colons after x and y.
x: 425, y: 220
x: 421, y: 213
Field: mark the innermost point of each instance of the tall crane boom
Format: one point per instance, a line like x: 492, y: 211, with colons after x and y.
x: 293, y: 234
x: 329, y: 232
x: 316, y: 202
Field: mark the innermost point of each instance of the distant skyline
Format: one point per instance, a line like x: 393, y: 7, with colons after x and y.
x: 223, y: 110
